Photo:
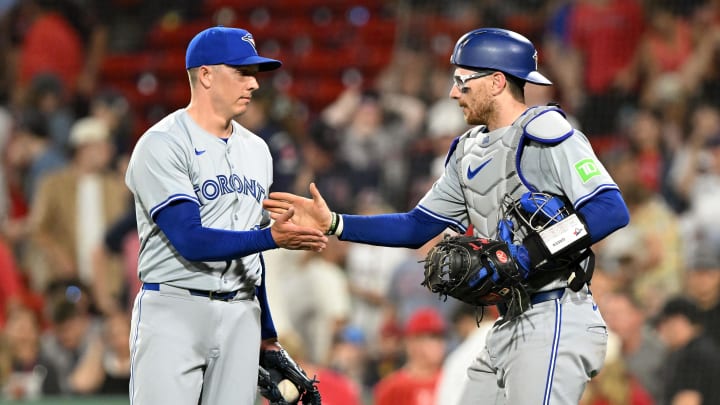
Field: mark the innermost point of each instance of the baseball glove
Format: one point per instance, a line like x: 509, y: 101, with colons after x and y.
x: 277, y: 370
x: 477, y: 271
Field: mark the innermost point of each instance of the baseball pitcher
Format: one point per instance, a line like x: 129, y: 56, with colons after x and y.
x: 198, y: 180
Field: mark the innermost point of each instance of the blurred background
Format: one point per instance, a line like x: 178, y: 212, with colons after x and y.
x: 360, y: 107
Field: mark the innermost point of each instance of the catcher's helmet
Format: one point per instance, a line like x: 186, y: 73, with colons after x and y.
x: 498, y: 49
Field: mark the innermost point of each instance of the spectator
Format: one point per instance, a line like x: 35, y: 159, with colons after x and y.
x: 415, y: 383
x: 369, y: 269
x: 406, y: 294
x: 471, y: 325
x: 285, y: 151
x: 321, y: 165
x: 374, y: 130
x: 12, y: 287
x: 33, y: 374
x: 95, y: 355
x: 648, y: 142
x: 703, y: 282
x: 73, y: 208
x: 349, y: 355
x: 33, y: 153
x: 47, y: 96
x: 74, y: 341
x: 323, y: 307
x: 120, y: 240
x: 49, y: 45
x: 694, y: 362
x: 614, y: 385
x: 641, y: 353
x: 335, y: 387
x: 664, y: 50
x: 114, y: 109
x: 597, y: 77
x: 389, y: 355
x: 647, y: 253
x: 695, y: 170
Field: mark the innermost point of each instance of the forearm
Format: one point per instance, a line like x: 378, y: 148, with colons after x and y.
x: 267, y: 326
x: 411, y: 229
x: 182, y: 225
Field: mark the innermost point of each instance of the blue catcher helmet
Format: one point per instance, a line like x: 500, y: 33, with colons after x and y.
x: 498, y: 49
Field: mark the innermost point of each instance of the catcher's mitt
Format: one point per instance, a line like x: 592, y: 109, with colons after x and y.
x: 474, y: 270
x: 277, y: 368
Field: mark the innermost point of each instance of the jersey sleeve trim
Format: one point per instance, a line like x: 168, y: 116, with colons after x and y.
x: 170, y: 200
x: 582, y: 200
x: 518, y: 170
x: 453, y: 146
x: 451, y: 222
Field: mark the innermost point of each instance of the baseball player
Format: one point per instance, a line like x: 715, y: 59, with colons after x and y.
x: 545, y: 352
x: 198, y: 180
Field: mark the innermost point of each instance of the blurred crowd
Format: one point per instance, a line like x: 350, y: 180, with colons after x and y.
x: 639, y: 78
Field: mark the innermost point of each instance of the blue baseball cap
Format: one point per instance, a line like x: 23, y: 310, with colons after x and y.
x: 226, y: 46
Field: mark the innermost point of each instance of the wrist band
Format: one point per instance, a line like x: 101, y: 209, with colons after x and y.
x: 336, y: 224
x: 339, y: 229
x: 333, y: 224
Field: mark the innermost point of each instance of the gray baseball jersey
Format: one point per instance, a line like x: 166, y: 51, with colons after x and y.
x: 178, y: 160
x: 186, y: 346
x: 546, y: 354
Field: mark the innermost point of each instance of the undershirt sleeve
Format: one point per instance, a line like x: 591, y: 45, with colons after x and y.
x: 410, y: 229
x: 180, y: 222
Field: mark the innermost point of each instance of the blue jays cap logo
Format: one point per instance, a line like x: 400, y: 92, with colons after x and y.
x: 535, y: 58
x: 249, y: 39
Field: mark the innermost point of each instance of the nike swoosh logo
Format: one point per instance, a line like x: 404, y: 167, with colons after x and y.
x: 199, y: 152
x: 472, y: 173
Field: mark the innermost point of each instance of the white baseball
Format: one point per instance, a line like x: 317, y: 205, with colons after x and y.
x: 288, y: 390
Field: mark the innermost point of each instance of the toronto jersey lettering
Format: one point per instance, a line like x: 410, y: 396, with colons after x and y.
x: 228, y: 179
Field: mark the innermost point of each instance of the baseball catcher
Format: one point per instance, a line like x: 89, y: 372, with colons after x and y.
x: 283, y: 382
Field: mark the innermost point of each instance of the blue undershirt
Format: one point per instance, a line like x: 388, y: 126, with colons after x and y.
x: 181, y: 223
x: 603, y: 214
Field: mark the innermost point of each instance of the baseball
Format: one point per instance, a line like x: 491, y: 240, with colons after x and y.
x: 288, y: 390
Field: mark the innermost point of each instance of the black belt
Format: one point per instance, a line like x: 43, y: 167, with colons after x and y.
x: 213, y: 295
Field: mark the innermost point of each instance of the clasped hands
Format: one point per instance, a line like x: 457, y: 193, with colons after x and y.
x: 300, y: 222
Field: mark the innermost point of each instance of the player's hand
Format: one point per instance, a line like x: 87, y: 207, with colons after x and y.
x: 289, y: 235
x: 312, y: 212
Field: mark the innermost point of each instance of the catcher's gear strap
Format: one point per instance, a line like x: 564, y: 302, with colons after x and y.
x: 545, y: 124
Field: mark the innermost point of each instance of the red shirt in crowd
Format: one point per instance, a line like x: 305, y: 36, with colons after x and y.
x: 51, y: 45
x: 11, y: 285
x: 607, y: 35
x: 400, y: 388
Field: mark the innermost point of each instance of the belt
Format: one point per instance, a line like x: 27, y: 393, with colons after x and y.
x: 213, y: 295
x: 536, y: 298
x: 547, y: 295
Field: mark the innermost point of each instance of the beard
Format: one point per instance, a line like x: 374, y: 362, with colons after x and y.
x: 480, y: 109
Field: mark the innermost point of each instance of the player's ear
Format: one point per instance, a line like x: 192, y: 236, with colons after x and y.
x: 205, y: 75
x: 499, y: 82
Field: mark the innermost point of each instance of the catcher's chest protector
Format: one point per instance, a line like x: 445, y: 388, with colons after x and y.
x: 487, y: 167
